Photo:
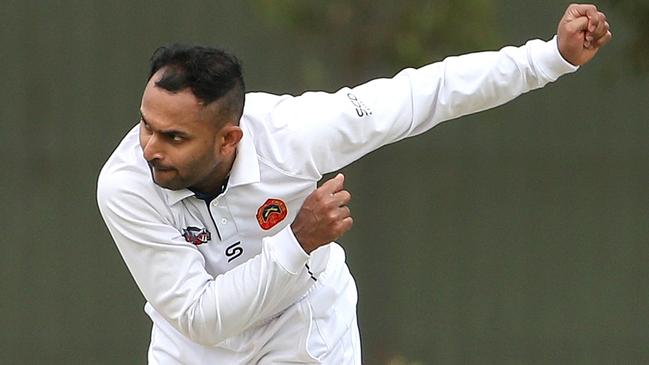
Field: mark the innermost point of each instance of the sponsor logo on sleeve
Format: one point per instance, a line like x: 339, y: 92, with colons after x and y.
x: 361, y: 109
x: 270, y: 213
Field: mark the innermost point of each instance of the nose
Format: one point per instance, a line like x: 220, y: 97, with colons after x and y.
x: 151, y: 147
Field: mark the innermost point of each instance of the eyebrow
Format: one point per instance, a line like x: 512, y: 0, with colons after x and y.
x: 167, y: 131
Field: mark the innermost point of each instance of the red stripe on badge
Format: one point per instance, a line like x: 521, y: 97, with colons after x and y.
x: 270, y: 213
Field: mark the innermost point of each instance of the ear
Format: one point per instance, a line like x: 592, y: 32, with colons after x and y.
x: 230, y: 137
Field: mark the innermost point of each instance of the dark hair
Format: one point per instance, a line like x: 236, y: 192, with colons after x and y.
x: 210, y: 73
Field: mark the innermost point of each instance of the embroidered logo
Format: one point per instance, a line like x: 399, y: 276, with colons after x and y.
x: 361, y: 109
x: 270, y: 213
x: 196, y: 236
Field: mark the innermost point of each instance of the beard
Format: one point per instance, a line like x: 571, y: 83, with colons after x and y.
x: 167, y: 177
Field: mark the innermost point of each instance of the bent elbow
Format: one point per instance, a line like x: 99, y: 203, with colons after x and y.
x: 205, y: 332
x: 202, y: 323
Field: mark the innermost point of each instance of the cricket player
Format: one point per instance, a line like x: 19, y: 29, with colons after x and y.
x: 214, y: 207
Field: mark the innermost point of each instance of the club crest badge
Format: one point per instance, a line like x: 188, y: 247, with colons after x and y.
x: 196, y: 236
x: 270, y: 213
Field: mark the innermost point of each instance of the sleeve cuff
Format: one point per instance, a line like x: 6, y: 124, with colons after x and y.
x: 548, y: 59
x: 286, y: 250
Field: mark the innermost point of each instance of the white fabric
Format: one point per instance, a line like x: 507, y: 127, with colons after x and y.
x: 247, y: 295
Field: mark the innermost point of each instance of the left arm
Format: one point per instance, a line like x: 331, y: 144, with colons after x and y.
x: 328, y: 131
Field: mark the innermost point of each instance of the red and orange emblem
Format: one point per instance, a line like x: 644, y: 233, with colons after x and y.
x: 270, y: 213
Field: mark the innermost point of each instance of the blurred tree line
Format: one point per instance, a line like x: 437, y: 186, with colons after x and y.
x: 371, y: 33
x: 395, y: 34
x: 636, y: 13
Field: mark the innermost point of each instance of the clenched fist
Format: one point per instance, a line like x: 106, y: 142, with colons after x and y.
x: 582, y: 31
x: 324, y: 216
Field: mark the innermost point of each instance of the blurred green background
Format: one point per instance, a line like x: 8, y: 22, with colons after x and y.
x: 515, y: 236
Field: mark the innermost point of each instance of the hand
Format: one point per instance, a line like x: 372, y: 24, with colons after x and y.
x: 582, y: 31
x: 324, y: 215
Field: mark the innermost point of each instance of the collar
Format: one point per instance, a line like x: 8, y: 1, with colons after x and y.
x: 245, y: 170
x: 175, y: 196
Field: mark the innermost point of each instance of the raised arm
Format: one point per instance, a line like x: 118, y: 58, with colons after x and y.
x: 332, y: 130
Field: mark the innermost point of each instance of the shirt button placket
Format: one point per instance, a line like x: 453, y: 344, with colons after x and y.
x: 226, y: 227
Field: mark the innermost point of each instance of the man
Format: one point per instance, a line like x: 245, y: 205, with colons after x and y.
x: 215, y: 210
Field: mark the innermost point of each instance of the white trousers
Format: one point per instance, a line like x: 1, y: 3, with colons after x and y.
x: 319, y: 329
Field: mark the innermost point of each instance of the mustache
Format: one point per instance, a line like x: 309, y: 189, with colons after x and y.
x: 158, y: 166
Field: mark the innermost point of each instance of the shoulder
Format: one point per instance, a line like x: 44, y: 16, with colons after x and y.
x: 275, y: 125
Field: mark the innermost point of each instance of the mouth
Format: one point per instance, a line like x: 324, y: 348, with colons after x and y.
x: 160, y: 168
x: 165, y: 176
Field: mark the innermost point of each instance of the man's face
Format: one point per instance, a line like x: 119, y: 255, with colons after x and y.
x: 181, y: 139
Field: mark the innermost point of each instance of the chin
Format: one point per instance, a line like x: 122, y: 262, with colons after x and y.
x: 171, y: 184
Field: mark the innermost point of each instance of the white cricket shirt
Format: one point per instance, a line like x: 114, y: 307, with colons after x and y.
x: 216, y: 272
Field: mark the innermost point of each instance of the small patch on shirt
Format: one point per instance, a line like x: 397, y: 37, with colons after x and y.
x: 270, y: 213
x: 196, y: 236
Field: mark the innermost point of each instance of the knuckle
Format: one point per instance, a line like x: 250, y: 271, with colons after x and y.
x: 571, y: 28
x: 320, y: 197
x: 333, y: 230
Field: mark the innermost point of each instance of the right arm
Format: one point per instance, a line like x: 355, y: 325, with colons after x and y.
x: 172, y: 277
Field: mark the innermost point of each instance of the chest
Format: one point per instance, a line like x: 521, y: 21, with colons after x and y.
x: 229, y: 230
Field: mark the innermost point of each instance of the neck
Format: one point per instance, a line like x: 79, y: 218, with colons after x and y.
x: 217, y: 181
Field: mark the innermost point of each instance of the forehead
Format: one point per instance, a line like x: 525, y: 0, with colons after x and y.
x: 165, y: 109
